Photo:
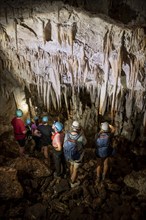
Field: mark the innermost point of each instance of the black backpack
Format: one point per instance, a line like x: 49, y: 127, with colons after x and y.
x: 70, y: 148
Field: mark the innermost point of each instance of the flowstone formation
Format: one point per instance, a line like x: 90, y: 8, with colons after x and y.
x: 55, y: 56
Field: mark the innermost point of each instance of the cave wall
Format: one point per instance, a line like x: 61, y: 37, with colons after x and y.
x: 68, y: 58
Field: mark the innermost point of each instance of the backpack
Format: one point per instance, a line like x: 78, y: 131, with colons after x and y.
x: 103, y: 145
x: 70, y: 148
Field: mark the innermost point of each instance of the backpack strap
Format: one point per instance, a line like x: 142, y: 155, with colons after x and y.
x: 53, y: 136
x: 73, y: 139
x: 102, y: 134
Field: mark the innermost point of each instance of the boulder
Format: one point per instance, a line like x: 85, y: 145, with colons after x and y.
x: 37, y: 211
x: 10, y: 188
x: 34, y: 167
x: 137, y: 180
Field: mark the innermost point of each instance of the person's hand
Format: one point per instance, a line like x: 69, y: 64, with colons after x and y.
x: 112, y: 128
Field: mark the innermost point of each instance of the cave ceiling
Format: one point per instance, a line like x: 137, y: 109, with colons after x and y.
x: 86, y: 57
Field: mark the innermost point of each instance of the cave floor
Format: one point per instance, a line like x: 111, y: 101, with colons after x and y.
x: 121, y: 196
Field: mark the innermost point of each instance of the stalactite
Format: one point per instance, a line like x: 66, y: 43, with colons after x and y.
x: 134, y: 66
x: 59, y: 75
x: 86, y: 72
x: 41, y: 85
x: 48, y: 95
x: 54, y: 77
x: 44, y: 92
x: 16, y: 34
x: 115, y: 61
x: 60, y: 34
x: 38, y: 85
x: 65, y: 93
x: 53, y: 97
x: 79, y: 72
x: 75, y: 66
x: 103, y: 91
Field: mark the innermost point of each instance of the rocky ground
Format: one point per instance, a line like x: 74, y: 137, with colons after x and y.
x: 28, y: 189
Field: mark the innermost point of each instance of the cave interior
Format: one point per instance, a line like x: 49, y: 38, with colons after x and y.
x: 74, y: 60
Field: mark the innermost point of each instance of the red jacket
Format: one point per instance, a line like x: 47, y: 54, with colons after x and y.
x: 19, y: 127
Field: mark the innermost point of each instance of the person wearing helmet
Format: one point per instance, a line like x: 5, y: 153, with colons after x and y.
x: 35, y: 124
x: 76, y: 136
x: 104, y: 150
x: 28, y: 129
x: 57, y: 143
x: 44, y: 131
x: 19, y: 131
x: 29, y: 140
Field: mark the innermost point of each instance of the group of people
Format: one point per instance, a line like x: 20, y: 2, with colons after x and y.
x: 67, y: 147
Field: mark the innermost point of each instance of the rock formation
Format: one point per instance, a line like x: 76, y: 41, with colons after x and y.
x: 83, y: 60
x: 56, y: 56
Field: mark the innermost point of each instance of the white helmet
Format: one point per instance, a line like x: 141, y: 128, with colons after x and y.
x: 105, y: 126
x: 75, y: 125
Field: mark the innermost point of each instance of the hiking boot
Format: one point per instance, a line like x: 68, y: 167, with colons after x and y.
x: 73, y: 185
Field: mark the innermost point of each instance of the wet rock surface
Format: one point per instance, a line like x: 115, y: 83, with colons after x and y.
x: 29, y: 190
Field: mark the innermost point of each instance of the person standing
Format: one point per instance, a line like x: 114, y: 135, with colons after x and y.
x: 36, y: 139
x: 57, y: 143
x: 19, y: 131
x: 73, y: 147
x: 104, y: 150
x: 29, y: 140
x: 44, y: 131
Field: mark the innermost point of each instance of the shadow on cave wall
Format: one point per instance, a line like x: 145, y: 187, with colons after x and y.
x: 121, y: 10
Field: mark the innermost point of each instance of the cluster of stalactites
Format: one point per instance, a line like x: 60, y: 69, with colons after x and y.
x: 116, y: 85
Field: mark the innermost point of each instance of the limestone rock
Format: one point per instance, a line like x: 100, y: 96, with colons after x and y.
x: 137, y: 180
x: 59, y: 206
x: 34, y: 167
x: 66, y: 57
x: 37, y: 211
x: 10, y: 187
x: 62, y: 186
